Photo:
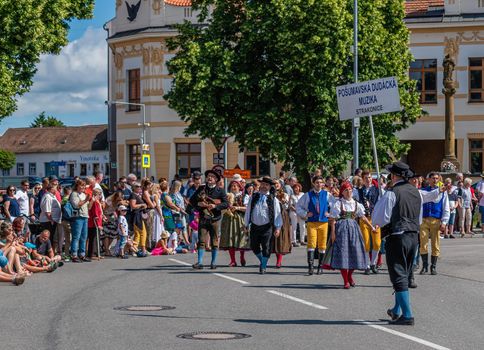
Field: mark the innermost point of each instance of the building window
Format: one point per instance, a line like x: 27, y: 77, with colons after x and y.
x: 476, y: 72
x: 187, y: 11
x: 83, y: 169
x: 96, y: 167
x: 476, y: 157
x: 134, y: 91
x: 257, y: 165
x: 32, y: 169
x: 70, y: 169
x: 6, y: 172
x: 480, y: 3
x: 20, y: 169
x: 425, y: 73
x: 188, y: 159
x: 134, y: 159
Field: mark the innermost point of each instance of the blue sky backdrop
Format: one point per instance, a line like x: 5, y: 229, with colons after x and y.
x: 71, y: 86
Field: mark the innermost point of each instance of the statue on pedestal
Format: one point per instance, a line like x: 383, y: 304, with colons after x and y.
x: 450, y: 163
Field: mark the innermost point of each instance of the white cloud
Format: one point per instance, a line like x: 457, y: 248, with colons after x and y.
x: 72, y: 82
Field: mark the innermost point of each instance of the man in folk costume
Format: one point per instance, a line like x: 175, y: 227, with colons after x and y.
x: 209, y: 200
x: 264, y: 220
x: 313, y: 206
x: 435, y: 218
x: 400, y: 209
x: 368, y: 195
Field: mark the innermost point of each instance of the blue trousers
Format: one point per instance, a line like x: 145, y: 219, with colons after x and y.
x: 79, y: 236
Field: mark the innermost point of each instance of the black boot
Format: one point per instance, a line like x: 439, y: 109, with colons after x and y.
x: 310, y: 262
x: 320, y: 265
x: 411, y: 280
x: 425, y: 264
x: 433, y: 270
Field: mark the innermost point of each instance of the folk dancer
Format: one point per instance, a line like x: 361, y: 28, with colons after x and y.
x: 209, y: 200
x: 368, y: 195
x: 263, y: 219
x: 399, y: 213
x: 348, y: 247
x: 435, y: 219
x: 314, y: 207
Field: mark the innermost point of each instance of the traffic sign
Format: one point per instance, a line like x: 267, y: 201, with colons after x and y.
x: 368, y: 98
x: 145, y: 161
x: 245, y: 174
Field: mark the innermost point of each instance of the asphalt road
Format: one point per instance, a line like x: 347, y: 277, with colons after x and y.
x: 74, y: 307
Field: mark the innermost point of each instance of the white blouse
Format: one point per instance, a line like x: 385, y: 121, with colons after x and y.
x: 348, y: 206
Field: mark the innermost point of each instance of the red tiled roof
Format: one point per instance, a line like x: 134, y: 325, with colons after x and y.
x: 179, y: 2
x: 421, y: 6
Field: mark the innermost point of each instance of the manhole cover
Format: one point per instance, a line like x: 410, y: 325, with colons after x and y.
x: 213, y: 336
x: 144, y: 308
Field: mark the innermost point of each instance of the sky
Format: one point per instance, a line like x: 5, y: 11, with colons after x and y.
x: 71, y: 86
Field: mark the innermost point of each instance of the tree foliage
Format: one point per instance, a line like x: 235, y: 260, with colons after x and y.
x: 41, y: 121
x: 30, y: 28
x: 7, y: 160
x: 265, y: 72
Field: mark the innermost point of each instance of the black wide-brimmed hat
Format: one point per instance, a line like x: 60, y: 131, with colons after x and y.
x: 267, y: 180
x: 412, y: 174
x: 400, y: 169
x: 213, y: 172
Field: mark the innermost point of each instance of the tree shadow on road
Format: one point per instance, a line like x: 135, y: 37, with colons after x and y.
x: 313, y: 322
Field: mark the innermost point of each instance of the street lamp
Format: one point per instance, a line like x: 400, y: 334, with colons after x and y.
x: 143, y: 125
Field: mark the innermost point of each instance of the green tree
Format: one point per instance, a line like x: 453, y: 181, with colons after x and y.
x: 28, y: 30
x: 45, y: 122
x: 7, y: 159
x: 266, y: 73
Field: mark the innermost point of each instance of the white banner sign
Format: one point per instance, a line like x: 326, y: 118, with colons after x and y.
x: 368, y: 98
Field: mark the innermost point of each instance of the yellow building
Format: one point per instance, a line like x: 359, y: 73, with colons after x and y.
x: 138, y: 74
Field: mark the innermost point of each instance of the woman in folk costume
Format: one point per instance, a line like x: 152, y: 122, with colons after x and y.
x: 348, y: 247
x: 233, y: 235
x: 282, y: 244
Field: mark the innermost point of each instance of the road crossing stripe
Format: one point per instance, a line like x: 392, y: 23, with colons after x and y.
x: 230, y: 278
x: 320, y: 307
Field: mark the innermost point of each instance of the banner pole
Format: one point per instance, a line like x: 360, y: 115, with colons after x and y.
x: 375, y: 154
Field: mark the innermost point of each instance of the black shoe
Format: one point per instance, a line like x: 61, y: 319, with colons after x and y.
x: 84, y: 259
x: 392, y: 315
x: 374, y: 269
x: 60, y: 264
x: 452, y: 236
x: 261, y: 270
x: 213, y: 267
x: 412, y: 284
x: 424, y: 270
x: 402, y: 321
x: 75, y: 259
x: 311, y: 270
x: 433, y: 270
x: 367, y: 272
x: 197, y: 266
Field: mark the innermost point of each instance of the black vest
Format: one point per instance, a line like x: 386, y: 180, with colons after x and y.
x: 406, y: 212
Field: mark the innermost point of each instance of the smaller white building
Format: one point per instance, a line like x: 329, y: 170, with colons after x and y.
x: 60, y: 151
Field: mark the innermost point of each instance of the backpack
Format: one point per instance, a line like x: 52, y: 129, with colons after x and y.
x: 69, y: 213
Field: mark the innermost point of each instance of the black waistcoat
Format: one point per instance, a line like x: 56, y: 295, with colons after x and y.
x: 406, y: 212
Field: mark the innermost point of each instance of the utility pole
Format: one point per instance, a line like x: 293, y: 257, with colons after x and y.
x: 356, y: 121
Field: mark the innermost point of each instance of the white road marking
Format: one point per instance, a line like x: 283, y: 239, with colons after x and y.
x: 320, y: 307
x: 231, y: 278
x: 180, y: 262
x: 406, y: 336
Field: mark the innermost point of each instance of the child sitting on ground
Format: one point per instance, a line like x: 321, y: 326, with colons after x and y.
x: 162, y: 245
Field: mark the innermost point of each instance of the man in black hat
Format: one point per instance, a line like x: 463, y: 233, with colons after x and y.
x: 264, y: 220
x: 209, y: 200
x: 401, y: 209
